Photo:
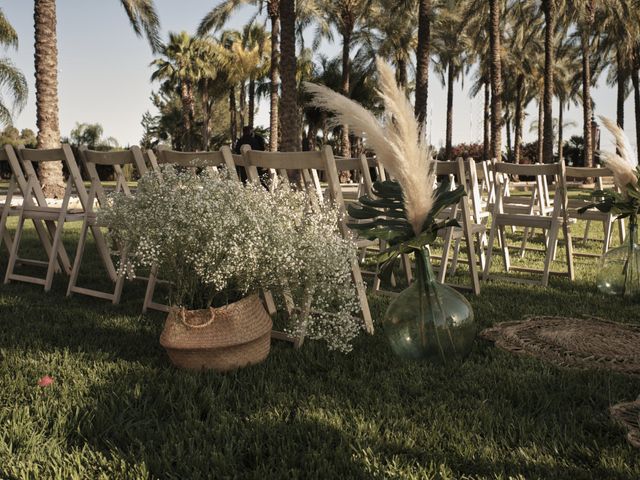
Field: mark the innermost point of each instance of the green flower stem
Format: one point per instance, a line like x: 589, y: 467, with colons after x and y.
x: 630, y: 264
x: 426, y: 284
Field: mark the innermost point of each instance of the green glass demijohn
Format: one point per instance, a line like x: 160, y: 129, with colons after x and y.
x: 619, y: 269
x: 429, y: 320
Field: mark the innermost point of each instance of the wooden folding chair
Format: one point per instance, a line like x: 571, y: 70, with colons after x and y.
x: 462, y: 212
x: 300, y: 165
x: 479, y: 215
x: 551, y: 223
x: 7, y: 209
x: 209, y: 160
x: 35, y: 207
x: 592, y: 215
x: 97, y: 195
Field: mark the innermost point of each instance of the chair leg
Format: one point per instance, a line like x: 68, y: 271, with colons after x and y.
x: 444, y: 259
x: 608, y: 227
x: 77, y: 261
x: 13, y: 256
x: 52, y: 260
x: 551, y: 251
x: 566, y: 229
x: 505, y: 248
x: 117, y: 292
x: 454, y: 260
x: 525, y: 239
x: 487, y: 263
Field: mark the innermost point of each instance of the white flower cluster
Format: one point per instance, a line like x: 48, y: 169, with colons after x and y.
x: 217, y: 239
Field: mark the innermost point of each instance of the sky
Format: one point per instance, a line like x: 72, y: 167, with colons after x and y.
x: 104, y: 73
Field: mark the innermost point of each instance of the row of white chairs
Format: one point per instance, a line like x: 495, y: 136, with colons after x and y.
x: 488, y: 209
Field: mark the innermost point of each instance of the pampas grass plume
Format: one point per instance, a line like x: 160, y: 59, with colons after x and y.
x: 622, y: 165
x: 397, y: 139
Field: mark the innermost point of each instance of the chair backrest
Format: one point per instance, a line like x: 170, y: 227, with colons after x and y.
x: 502, y: 170
x: 118, y: 160
x: 598, y: 173
x: 64, y: 154
x: 300, y: 166
x: 9, y: 155
x: 223, y: 157
x: 360, y: 166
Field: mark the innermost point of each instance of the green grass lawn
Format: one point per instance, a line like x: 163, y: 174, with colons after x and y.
x: 118, y: 409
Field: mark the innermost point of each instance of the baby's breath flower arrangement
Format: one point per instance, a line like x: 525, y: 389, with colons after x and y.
x: 218, y: 240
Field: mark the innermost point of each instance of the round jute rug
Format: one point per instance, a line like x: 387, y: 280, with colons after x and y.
x: 628, y: 415
x: 572, y: 342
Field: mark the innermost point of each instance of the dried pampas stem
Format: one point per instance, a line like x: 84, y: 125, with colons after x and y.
x: 623, y: 165
x: 397, y: 140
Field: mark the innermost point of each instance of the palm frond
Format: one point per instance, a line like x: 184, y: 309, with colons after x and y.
x: 144, y: 18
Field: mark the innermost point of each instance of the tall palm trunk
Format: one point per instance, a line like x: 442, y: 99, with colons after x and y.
x: 540, y: 130
x: 621, y: 84
x: 560, y: 130
x: 233, y: 119
x: 507, y: 114
x: 206, y: 113
x: 586, y: 83
x: 242, y: 104
x: 46, y: 69
x: 346, y: 74
x: 422, y: 57
x: 187, y: 113
x: 487, y: 122
x: 549, y: 65
x: 273, y: 8
x: 496, y: 80
x: 252, y: 101
x: 401, y: 73
x: 450, y: 80
x: 289, y: 118
x: 519, y: 120
x: 635, y: 79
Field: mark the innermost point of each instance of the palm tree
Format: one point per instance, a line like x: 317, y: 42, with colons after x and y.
x: 451, y: 44
x: 477, y: 16
x: 143, y: 19
x: 585, y: 12
x: 346, y: 16
x: 185, y: 61
x: 10, y: 76
x: 215, y: 20
x: 392, y: 37
x: 289, y: 118
x: 422, y: 59
x: 550, y: 10
x: 495, y: 17
x: 522, y: 64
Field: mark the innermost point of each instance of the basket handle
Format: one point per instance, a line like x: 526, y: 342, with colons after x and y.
x: 183, y: 318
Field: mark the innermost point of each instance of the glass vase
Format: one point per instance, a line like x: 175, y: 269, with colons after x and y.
x: 619, y: 269
x: 429, y: 320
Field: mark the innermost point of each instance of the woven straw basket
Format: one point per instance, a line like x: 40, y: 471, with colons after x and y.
x: 221, y: 339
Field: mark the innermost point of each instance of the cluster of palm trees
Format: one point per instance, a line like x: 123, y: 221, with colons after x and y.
x: 548, y: 52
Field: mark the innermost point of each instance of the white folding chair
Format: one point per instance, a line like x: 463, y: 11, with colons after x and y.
x: 592, y: 215
x: 550, y: 223
x: 299, y: 165
x: 97, y: 196
x: 35, y: 207
x: 461, y: 211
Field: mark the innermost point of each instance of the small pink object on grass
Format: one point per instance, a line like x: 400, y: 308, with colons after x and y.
x: 45, y: 381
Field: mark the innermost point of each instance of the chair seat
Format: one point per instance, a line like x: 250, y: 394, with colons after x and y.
x: 52, y: 213
x: 537, y: 221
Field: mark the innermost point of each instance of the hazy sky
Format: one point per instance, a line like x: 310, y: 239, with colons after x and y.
x: 104, y: 72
